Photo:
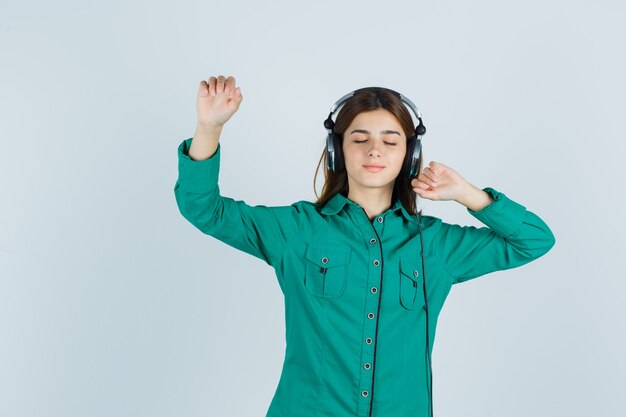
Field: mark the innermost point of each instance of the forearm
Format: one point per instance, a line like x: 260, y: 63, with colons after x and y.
x: 204, y: 143
x: 513, y: 237
x: 474, y: 198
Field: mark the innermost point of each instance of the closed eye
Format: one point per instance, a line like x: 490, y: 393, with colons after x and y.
x: 388, y: 143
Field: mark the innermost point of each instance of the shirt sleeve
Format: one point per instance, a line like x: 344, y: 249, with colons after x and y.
x: 259, y: 230
x: 514, y: 237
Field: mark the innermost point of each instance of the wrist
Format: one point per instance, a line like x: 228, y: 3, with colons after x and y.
x: 475, y: 198
x: 209, y: 128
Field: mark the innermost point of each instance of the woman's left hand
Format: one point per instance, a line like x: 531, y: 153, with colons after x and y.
x: 440, y: 182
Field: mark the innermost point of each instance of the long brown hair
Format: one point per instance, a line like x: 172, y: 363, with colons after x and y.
x: 369, y: 99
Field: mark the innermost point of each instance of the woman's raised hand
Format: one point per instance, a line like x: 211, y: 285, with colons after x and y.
x: 218, y: 99
x: 440, y: 182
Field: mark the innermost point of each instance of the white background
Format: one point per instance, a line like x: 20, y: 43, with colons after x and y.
x: 112, y: 304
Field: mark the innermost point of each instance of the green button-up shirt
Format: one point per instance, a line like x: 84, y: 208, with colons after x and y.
x: 354, y: 289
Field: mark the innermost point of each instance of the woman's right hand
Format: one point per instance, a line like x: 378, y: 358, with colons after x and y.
x: 217, y: 101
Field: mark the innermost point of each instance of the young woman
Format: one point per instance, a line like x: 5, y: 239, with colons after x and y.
x: 363, y: 277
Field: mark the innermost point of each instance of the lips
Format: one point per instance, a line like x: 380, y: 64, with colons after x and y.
x: 373, y: 167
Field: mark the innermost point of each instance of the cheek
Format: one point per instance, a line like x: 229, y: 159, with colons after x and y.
x: 350, y: 154
x: 399, y: 157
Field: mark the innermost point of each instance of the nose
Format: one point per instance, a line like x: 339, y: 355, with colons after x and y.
x: 374, y: 151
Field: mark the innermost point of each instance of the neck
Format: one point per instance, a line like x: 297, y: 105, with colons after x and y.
x: 374, y: 200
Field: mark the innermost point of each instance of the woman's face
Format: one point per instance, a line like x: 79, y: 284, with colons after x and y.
x: 374, y: 137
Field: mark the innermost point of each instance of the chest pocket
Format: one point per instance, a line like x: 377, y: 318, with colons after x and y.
x: 411, y: 284
x: 326, y: 270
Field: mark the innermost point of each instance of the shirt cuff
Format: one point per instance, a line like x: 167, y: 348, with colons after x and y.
x: 503, y: 215
x: 197, y: 176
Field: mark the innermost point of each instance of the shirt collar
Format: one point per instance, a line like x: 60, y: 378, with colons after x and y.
x: 337, y: 202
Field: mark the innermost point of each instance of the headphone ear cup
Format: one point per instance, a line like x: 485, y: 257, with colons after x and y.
x: 339, y: 162
x: 414, y: 155
x: 406, y: 166
x: 330, y: 153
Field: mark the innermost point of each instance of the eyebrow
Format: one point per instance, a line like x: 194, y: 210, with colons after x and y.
x: 383, y: 132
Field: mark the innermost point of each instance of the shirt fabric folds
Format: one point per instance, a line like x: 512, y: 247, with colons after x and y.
x: 353, y: 289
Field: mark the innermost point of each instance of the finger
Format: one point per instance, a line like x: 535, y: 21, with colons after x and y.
x: 423, y: 177
x: 419, y: 184
x: 220, y: 83
x: 428, y: 172
x: 212, y: 81
x: 203, y: 88
x: 431, y: 195
x: 435, y: 167
x: 230, y: 84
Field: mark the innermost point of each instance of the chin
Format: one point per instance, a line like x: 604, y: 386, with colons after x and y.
x: 377, y: 184
x: 373, y: 180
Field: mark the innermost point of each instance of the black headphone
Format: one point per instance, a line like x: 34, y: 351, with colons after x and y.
x: 334, y: 153
x: 335, y: 163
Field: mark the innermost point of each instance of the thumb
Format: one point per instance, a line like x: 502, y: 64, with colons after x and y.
x: 430, y: 195
x: 237, y: 97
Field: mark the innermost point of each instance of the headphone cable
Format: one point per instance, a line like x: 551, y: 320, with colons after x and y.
x: 430, y: 390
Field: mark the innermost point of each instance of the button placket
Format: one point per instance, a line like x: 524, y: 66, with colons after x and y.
x: 373, y: 243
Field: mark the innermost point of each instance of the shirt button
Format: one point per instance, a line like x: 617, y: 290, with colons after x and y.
x: 415, y: 273
x: 324, y: 260
x: 380, y: 219
x: 374, y: 290
x: 370, y: 315
x: 376, y: 262
x: 368, y: 340
x: 367, y: 366
x: 372, y: 241
x: 364, y: 393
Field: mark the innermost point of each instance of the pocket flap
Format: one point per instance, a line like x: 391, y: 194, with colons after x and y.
x: 327, y: 256
x: 412, y: 268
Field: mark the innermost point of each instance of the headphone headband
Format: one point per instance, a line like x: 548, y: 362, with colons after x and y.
x: 419, y: 127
